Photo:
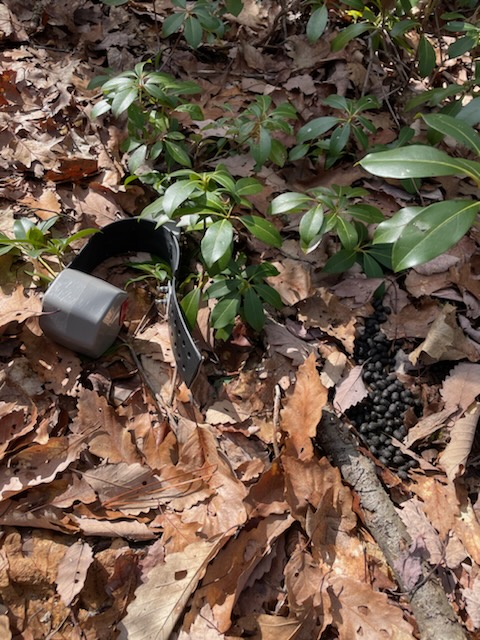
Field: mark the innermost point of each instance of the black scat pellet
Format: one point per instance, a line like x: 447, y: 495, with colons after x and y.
x: 383, y: 460
x: 380, y: 416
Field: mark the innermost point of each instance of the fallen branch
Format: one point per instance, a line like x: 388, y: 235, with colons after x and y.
x: 433, y: 613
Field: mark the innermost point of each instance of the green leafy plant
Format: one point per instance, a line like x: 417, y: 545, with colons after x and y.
x: 214, y: 210
x: 155, y: 269
x: 342, y: 127
x: 317, y: 22
x: 213, y: 204
x: 34, y: 242
x: 336, y: 210
x: 419, y: 234
x: 254, y: 128
x: 466, y: 42
x: 150, y: 99
x: 241, y: 290
x: 200, y: 20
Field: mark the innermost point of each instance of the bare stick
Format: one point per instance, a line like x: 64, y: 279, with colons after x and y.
x: 433, y: 613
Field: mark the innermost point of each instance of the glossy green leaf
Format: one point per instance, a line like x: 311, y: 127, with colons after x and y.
x: 225, y: 312
x: 100, y: 108
x: 172, y: 24
x: 278, y: 153
x: 391, y: 229
x: 234, y: 6
x: 382, y: 253
x: 417, y: 161
x: 426, y: 57
x: 261, y: 150
x: 190, y: 304
x: 339, y: 139
x: 223, y: 288
x: 217, y: 241
x: 461, y: 46
x: 289, y: 202
x: 262, y: 229
x: 310, y: 224
x: 347, y: 233
x: 349, y: 33
x: 176, y: 194
x: 433, y: 231
x: 316, y: 23
x: 248, y: 187
x: 341, y: 261
x: 371, y: 267
x: 268, y: 294
x: 178, y: 153
x: 122, y: 100
x: 253, y: 309
x: 315, y: 128
x: 366, y: 213
x: 137, y: 158
x: 193, y: 31
x: 455, y: 128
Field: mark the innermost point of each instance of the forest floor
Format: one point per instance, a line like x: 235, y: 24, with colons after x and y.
x: 134, y: 507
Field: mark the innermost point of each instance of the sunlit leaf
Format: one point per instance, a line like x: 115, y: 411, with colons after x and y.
x: 433, y: 231
x: 217, y: 241
x: 263, y: 230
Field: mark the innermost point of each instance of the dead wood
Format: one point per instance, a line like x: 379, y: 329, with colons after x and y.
x: 433, y: 613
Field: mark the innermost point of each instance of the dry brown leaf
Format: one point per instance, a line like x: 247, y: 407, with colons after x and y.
x: 454, y: 458
x: 112, y: 441
x: 325, y: 311
x: 305, y: 582
x: 39, y: 464
x: 281, y: 340
x: 17, y: 307
x: 294, y: 282
x: 360, y: 612
x: 72, y: 570
x: 233, y: 567
x: 425, y: 427
x: 333, y: 367
x: 161, y: 598
x: 303, y: 408
x: 418, y: 525
x: 461, y: 386
x: 472, y: 601
x: 204, y: 627
x: 350, y: 391
x: 225, y: 412
x: 278, y: 627
x: 445, y: 341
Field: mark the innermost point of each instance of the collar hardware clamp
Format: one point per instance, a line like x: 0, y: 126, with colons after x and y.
x: 85, y: 314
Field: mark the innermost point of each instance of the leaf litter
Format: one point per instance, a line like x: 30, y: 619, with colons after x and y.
x: 131, y: 511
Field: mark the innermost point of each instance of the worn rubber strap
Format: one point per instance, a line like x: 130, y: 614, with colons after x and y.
x: 138, y: 234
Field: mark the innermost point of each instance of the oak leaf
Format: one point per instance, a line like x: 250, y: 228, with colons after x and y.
x: 303, y: 408
x: 72, y: 570
x: 160, y: 600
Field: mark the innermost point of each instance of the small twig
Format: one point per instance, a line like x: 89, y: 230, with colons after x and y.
x: 276, y: 420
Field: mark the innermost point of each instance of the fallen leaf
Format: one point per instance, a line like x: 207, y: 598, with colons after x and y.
x: 303, y: 408
x: 161, y: 598
x: 461, y: 386
x: 350, y: 391
x: 445, y: 341
x: 17, y: 307
x: 454, y: 458
x: 72, y: 570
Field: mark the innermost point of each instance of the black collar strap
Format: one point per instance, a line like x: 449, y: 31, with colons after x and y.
x: 85, y: 313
